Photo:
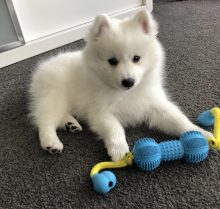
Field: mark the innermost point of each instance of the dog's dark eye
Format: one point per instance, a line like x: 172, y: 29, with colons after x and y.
x: 136, y: 59
x: 113, y: 61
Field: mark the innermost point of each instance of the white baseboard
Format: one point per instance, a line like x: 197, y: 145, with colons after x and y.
x: 53, y: 41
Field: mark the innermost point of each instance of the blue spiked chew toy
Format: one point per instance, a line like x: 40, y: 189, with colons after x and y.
x: 147, y: 154
x: 192, y: 146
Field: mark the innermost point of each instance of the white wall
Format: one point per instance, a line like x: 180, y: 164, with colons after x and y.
x: 39, y: 18
x: 45, y: 30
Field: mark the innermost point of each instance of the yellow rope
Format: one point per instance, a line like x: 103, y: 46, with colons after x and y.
x: 127, y: 160
x: 215, y: 142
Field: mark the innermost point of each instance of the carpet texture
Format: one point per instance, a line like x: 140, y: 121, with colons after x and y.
x: 32, y: 178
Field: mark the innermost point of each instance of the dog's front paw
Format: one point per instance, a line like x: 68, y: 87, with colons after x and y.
x: 53, y: 147
x: 117, y: 152
x: 207, y: 134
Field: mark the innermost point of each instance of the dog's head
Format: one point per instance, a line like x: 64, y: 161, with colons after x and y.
x: 121, y: 52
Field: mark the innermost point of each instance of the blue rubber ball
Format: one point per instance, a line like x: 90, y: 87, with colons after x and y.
x: 103, y: 182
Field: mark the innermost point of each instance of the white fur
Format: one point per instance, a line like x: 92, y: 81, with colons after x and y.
x: 85, y: 85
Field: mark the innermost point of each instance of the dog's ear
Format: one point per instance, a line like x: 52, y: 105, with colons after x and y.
x: 147, y: 23
x: 99, y: 26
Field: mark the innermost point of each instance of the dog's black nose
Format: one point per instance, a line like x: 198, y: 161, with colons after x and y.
x: 128, y: 82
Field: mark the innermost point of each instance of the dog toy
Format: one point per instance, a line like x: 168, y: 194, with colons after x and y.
x: 147, y: 154
x: 209, y: 118
x: 105, y: 181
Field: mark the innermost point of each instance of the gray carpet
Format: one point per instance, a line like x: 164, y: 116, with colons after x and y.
x: 32, y: 178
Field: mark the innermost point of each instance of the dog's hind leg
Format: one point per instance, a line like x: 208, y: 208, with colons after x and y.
x: 70, y: 123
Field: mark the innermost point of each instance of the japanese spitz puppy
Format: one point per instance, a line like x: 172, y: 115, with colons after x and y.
x: 116, y: 81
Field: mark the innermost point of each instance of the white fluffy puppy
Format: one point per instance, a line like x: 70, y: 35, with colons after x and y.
x: 114, y: 82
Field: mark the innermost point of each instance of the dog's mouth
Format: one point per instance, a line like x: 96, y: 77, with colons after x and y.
x: 127, y: 88
x: 124, y: 88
